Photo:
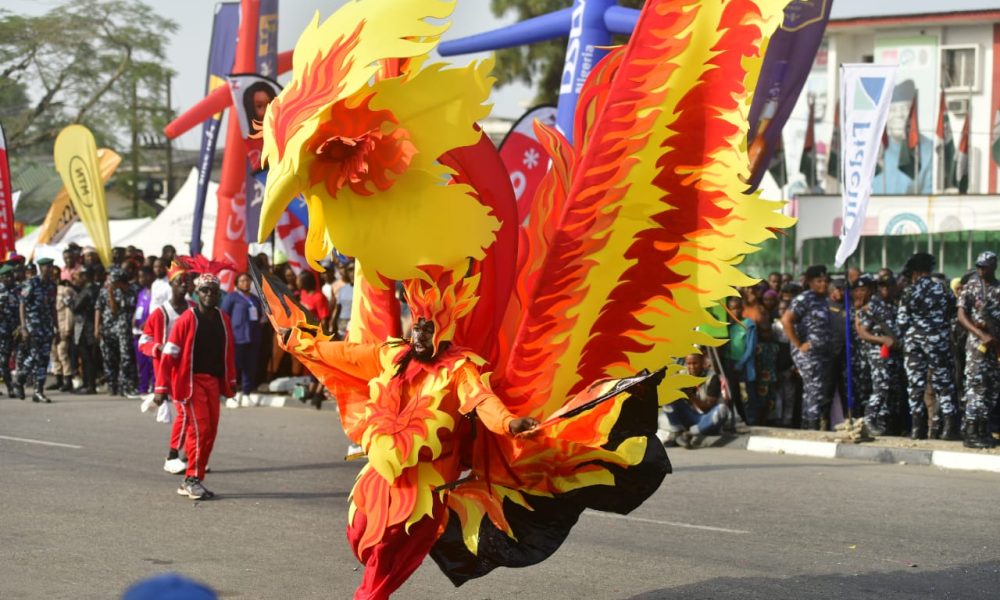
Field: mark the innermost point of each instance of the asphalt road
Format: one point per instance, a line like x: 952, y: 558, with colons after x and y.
x: 86, y: 518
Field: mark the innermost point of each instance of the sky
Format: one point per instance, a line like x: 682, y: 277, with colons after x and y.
x: 187, y: 52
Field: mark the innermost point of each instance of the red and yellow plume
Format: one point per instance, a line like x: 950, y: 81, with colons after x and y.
x: 643, y: 224
x: 359, y: 132
x: 444, y: 298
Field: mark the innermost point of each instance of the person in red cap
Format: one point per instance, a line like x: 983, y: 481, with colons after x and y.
x: 192, y: 373
x: 155, y: 334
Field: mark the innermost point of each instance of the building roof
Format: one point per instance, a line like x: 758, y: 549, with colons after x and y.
x: 866, y: 9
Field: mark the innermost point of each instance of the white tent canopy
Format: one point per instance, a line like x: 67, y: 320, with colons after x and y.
x: 77, y: 233
x: 173, y: 225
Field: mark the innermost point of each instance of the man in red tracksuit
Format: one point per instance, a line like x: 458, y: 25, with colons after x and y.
x: 154, y: 337
x: 192, y: 373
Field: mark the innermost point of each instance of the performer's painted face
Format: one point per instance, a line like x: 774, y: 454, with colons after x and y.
x: 422, y: 338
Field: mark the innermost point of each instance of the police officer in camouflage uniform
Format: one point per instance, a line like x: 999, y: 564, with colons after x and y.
x: 861, y: 290
x: 115, y: 308
x: 10, y: 303
x: 808, y: 325
x: 924, y: 317
x: 979, y: 313
x: 38, y: 319
x: 875, y: 325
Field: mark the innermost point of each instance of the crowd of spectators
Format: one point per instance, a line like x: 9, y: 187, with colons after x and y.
x: 98, y: 316
x: 912, y: 354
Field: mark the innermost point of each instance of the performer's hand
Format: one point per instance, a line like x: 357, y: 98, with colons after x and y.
x: 158, y: 398
x: 523, y: 425
x: 804, y: 348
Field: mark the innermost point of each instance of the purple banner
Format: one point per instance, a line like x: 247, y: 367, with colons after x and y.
x: 221, y: 54
x: 787, y: 64
x: 267, y: 65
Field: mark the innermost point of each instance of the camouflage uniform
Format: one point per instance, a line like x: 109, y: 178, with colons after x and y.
x: 879, y: 318
x: 861, y: 372
x: 813, y: 324
x: 10, y: 302
x: 39, y: 299
x: 981, y: 303
x: 116, y: 339
x: 924, y: 317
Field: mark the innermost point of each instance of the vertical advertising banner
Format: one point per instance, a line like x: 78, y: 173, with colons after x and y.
x: 524, y: 156
x: 220, y: 62
x: 267, y: 67
x: 787, y: 64
x: 76, y: 160
x: 62, y: 215
x: 865, y: 92
x: 6, y: 200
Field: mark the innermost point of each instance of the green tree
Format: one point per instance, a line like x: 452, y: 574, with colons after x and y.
x: 538, y: 64
x: 77, y: 64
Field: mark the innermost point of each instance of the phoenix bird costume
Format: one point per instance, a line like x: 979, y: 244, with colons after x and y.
x: 637, y: 228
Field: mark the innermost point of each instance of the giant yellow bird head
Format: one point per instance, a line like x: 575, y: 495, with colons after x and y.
x: 363, y: 149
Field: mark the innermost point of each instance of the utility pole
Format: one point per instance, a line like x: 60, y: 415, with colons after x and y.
x: 135, y: 148
x: 170, y: 145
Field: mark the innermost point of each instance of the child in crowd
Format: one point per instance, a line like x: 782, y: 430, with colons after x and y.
x: 742, y: 348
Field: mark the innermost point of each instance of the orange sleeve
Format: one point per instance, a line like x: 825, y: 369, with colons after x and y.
x: 356, y: 360
x: 475, y: 394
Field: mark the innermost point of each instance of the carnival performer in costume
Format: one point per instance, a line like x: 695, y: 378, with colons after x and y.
x: 155, y: 335
x: 191, y: 372
x: 553, y: 319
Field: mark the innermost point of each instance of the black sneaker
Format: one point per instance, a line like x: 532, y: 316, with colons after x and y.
x: 39, y: 396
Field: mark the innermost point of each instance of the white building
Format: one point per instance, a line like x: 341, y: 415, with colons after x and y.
x: 950, y: 44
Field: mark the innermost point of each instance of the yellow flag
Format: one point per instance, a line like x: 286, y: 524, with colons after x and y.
x: 62, y: 215
x: 78, y: 165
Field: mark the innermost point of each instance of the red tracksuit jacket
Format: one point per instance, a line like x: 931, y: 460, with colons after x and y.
x: 154, y: 334
x: 176, y: 371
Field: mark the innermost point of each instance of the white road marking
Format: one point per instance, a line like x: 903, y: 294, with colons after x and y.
x: 40, y: 442
x: 669, y: 523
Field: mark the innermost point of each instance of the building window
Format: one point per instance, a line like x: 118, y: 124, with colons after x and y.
x: 959, y: 67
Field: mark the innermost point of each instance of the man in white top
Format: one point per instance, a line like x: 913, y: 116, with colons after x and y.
x: 159, y: 292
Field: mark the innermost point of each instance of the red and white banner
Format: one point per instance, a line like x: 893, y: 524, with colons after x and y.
x: 6, y: 200
x: 525, y: 158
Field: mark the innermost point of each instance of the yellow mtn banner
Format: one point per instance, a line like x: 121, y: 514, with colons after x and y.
x: 62, y: 215
x: 78, y: 165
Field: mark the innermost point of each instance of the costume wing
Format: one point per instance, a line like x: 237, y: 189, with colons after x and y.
x: 285, y: 312
x: 641, y: 225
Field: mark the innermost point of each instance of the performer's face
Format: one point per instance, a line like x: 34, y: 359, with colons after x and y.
x: 422, y: 338
x: 179, y: 286
x: 208, y: 296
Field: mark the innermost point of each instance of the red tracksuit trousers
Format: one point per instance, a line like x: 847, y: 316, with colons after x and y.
x: 201, y: 423
x: 177, y: 430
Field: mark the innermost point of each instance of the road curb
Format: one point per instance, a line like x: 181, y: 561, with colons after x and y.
x: 944, y: 459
